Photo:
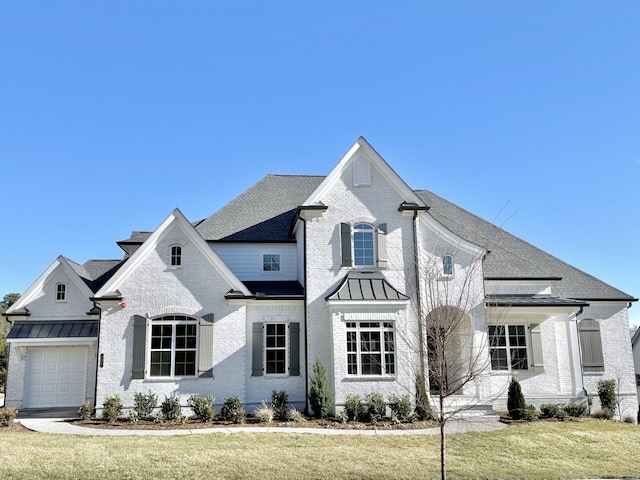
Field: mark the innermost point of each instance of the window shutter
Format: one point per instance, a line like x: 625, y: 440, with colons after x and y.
x: 257, y: 369
x: 345, y: 242
x: 536, y: 345
x: 139, y: 346
x: 381, y: 233
x: 205, y: 347
x: 591, y: 346
x: 294, y: 349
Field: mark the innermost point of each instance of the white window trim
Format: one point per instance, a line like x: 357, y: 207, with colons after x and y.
x: 508, y: 347
x: 158, y: 321
x: 276, y: 320
x: 444, y: 273
x: 65, y: 291
x: 271, y: 272
x: 381, y: 329
x: 180, y: 257
x: 353, y: 245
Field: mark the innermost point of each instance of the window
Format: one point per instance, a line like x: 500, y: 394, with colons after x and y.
x: 508, y: 347
x: 61, y: 292
x: 173, y: 346
x: 370, y: 348
x: 447, y: 265
x: 176, y: 255
x: 363, y: 245
x: 271, y: 262
x: 590, y: 346
x: 276, y: 348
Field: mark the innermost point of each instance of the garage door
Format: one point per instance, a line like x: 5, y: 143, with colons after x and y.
x: 55, y: 376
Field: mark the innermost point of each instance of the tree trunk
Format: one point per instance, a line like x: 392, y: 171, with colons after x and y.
x: 443, y: 442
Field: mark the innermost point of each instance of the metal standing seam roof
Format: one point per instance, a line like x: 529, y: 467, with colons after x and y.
x: 366, y: 286
x: 53, y: 329
x: 532, y: 301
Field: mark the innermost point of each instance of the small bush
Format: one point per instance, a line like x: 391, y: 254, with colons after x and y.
x: 112, y: 408
x: 400, y: 407
x: 529, y: 413
x: 170, y: 408
x: 159, y: 418
x: 604, y: 414
x: 607, y: 394
x: 85, y: 410
x: 551, y: 410
x: 144, y: 404
x: 376, y: 408
x: 134, y: 417
x: 279, y: 401
x: 515, y: 400
x: 202, y: 406
x: 232, y: 410
x: 342, y: 416
x: 320, y: 394
x: 7, y: 416
x: 353, y: 407
x: 293, y: 415
x: 575, y: 410
x: 629, y: 419
x: 264, y: 414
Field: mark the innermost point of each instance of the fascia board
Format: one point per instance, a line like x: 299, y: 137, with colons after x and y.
x: 506, y: 312
x: 379, y: 163
x: 37, y: 286
x: 149, y: 245
x: 364, y: 303
x: 436, y: 227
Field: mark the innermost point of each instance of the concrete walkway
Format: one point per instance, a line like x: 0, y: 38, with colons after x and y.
x: 60, y: 426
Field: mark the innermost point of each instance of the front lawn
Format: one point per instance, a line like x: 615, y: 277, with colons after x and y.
x: 585, y: 449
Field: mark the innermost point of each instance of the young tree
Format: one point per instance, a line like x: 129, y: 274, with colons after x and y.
x: 320, y: 394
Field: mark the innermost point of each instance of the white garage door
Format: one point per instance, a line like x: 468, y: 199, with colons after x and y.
x: 55, y: 376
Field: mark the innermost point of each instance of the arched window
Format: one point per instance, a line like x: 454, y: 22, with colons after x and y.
x: 176, y: 255
x: 173, y: 346
x: 61, y: 292
x: 363, y: 252
x: 447, y: 265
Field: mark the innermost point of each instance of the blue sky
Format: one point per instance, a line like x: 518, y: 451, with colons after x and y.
x: 114, y: 113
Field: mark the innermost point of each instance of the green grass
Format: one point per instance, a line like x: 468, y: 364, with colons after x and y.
x: 589, y: 449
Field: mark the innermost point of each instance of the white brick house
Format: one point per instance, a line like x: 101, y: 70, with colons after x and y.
x: 304, y: 267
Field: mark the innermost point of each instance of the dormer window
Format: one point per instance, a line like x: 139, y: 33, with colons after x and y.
x: 271, y: 262
x: 61, y: 292
x: 447, y: 265
x: 176, y: 255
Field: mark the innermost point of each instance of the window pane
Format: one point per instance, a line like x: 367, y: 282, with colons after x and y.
x: 519, y: 359
x: 371, y: 364
x: 447, y: 265
x: 497, y: 336
x: 160, y: 364
x: 276, y: 361
x: 363, y: 244
x: 499, y: 359
x: 390, y: 363
x: 185, y: 363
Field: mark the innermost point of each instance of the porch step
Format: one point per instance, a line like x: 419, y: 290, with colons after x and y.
x: 469, y: 408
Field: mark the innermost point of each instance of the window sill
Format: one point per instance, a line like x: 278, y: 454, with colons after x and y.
x: 276, y: 376
x: 169, y: 379
x: 370, y: 378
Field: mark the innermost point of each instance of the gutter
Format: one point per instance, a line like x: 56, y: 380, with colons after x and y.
x: 97, y: 307
x: 306, y: 315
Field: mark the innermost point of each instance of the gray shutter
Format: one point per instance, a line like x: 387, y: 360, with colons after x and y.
x: 345, y: 242
x: 381, y: 233
x: 591, y: 346
x: 294, y: 349
x: 257, y: 369
x: 139, y: 346
x: 536, y: 345
x: 205, y: 347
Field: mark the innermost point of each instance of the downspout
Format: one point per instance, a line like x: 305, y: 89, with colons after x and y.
x: 580, y: 310
x: 95, y: 387
x: 418, y: 292
x: 306, y: 339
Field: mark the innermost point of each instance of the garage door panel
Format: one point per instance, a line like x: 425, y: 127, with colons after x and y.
x: 55, y: 376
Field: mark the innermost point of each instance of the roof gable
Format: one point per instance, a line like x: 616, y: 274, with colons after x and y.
x: 175, y: 218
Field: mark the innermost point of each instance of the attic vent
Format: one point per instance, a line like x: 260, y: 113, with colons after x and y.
x: 361, y: 172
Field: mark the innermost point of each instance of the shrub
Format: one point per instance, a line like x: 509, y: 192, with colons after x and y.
x: 551, y: 410
x: 112, y: 408
x: 423, y: 406
x: 232, y: 410
x: 320, y: 395
x: 400, y: 407
x: 85, y: 410
x: 376, y: 408
x: 575, y: 410
x: 144, y: 404
x: 342, y: 416
x: 134, y: 417
x: 293, y: 415
x: 607, y: 394
x: 353, y: 407
x: 279, y: 401
x: 638, y: 419
x: 202, y: 406
x: 170, y: 408
x: 529, y: 413
x: 7, y: 416
x: 159, y: 418
x: 629, y: 419
x: 264, y: 414
x: 515, y: 400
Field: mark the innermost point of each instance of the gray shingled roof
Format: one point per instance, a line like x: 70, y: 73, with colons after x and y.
x: 95, y: 273
x: 263, y: 213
